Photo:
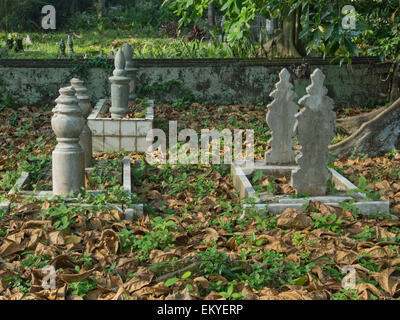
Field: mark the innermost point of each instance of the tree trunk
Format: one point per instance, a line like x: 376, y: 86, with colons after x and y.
x: 288, y: 47
x: 285, y: 43
x: 395, y: 91
x: 300, y: 44
x: 375, y: 137
x: 352, y: 124
x: 211, y: 16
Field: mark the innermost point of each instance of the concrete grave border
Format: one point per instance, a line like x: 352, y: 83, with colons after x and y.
x: 130, y: 213
x: 241, y: 170
x: 120, y: 134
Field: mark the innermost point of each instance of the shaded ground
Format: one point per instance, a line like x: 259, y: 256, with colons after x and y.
x: 195, y: 242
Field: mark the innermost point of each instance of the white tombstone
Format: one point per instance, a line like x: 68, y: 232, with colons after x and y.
x: 85, y: 139
x: 68, y: 157
x: 28, y: 41
x: 119, y: 88
x: 315, y: 129
x: 281, y: 120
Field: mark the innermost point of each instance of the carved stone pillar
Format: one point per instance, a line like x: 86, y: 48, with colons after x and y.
x: 68, y: 157
x: 119, y: 88
x: 85, y: 140
x: 131, y: 72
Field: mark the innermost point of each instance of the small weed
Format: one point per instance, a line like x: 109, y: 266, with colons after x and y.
x: 366, y: 235
x: 298, y: 238
x: 345, y: 294
x: 230, y: 294
x: 159, y: 239
x: 86, y: 259
x: 16, y: 281
x: 82, y: 288
x: 328, y: 222
x: 362, y: 188
x: 34, y: 261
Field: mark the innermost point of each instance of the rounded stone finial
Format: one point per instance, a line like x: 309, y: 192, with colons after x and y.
x: 119, y: 63
x: 77, y: 82
x: 67, y: 121
x: 128, y: 53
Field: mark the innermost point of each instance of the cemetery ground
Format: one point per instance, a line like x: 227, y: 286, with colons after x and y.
x: 194, y: 242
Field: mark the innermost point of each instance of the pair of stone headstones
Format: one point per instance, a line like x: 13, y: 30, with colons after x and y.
x: 314, y: 127
x: 74, y: 149
x: 123, y: 83
x: 70, y: 45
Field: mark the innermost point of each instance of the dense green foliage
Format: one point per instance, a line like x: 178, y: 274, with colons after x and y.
x: 82, y: 14
x: 318, y: 25
x: 320, y: 22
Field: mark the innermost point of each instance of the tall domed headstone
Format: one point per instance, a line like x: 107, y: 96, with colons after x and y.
x: 315, y: 129
x: 281, y: 120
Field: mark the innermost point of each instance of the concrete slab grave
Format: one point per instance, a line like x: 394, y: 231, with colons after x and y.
x: 305, y: 177
x: 118, y: 132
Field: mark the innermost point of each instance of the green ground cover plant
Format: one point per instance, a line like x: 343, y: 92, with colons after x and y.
x: 195, y: 237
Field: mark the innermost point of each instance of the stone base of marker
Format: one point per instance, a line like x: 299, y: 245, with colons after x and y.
x: 120, y: 134
x: 68, y: 166
x: 242, y: 172
x: 132, y: 212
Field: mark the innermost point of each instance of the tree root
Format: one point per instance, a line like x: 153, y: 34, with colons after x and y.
x: 375, y: 137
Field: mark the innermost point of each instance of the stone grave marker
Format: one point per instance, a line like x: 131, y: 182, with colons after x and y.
x: 28, y: 41
x: 119, y: 88
x: 315, y: 129
x: 70, y: 45
x: 281, y: 120
x: 61, y: 46
x: 68, y: 157
x: 130, y: 72
x: 85, y: 139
